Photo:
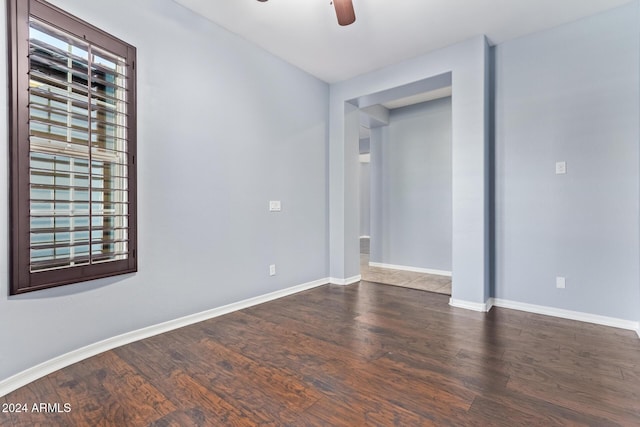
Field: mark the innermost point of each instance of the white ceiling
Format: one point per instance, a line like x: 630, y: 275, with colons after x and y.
x: 306, y: 33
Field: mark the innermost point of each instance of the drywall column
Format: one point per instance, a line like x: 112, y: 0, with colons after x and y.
x: 470, y: 182
x: 467, y: 61
x: 344, y: 175
x: 365, y: 198
x: 376, y: 205
x: 352, y: 193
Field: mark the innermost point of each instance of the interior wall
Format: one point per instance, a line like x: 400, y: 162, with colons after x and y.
x: 468, y: 65
x: 570, y: 94
x: 224, y: 127
x: 364, y: 147
x: 365, y: 199
x: 413, y: 180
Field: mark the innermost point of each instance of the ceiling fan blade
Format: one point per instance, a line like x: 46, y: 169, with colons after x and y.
x: 344, y: 11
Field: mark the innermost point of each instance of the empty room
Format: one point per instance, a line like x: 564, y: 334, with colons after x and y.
x: 187, y: 238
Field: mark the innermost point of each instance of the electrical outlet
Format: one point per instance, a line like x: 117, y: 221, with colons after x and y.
x: 561, y: 282
x: 561, y: 168
x: 272, y: 270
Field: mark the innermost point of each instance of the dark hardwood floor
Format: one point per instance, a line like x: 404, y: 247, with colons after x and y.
x: 365, y: 354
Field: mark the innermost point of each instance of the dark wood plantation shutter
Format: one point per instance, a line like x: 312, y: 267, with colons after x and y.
x: 73, y: 183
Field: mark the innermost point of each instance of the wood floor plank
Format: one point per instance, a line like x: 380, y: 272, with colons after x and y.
x: 488, y: 412
x: 610, y: 389
x: 456, y: 373
x: 264, y: 391
x: 182, y: 417
x: 40, y: 404
x: 631, y: 375
x: 239, y: 394
x: 343, y: 374
x: 6, y: 418
x: 582, y: 401
x: 275, y: 382
x: 357, y: 337
x: 363, y: 410
x: 436, y: 337
x: 550, y: 412
x: 556, y: 358
x: 107, y: 388
x: 81, y: 385
x: 365, y: 354
x: 168, y: 374
x: 214, y: 409
x: 584, y: 367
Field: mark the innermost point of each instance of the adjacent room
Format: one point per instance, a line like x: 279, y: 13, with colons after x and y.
x: 405, y: 192
x: 339, y: 213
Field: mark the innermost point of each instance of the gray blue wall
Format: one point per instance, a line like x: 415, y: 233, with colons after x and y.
x: 413, y: 183
x: 570, y: 94
x: 224, y: 127
x: 365, y: 199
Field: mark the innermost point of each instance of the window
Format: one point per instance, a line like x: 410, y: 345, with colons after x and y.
x: 73, y: 144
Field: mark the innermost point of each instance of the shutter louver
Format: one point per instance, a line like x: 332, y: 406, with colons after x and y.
x: 79, y: 195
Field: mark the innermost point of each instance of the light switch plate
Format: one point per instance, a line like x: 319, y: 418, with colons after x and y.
x: 561, y: 282
x: 561, y: 168
x: 275, y: 206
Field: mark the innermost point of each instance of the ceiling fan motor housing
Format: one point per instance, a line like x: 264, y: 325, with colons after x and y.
x: 344, y: 11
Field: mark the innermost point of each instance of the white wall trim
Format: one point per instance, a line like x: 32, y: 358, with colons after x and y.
x: 345, y: 282
x: 31, y: 374
x: 414, y: 269
x: 469, y: 305
x: 568, y: 314
x: 365, y: 237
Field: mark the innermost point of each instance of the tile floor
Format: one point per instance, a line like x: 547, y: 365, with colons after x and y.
x: 406, y: 279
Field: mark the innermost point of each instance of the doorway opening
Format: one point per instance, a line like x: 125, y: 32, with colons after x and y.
x: 406, y: 191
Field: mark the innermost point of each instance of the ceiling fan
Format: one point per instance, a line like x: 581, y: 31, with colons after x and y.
x: 344, y: 11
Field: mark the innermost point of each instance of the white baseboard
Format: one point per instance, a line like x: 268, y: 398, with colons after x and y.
x: 413, y: 269
x: 469, y: 305
x: 345, y: 282
x: 31, y: 374
x: 568, y: 314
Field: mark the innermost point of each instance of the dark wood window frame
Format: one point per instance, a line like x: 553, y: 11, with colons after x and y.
x: 105, y: 256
